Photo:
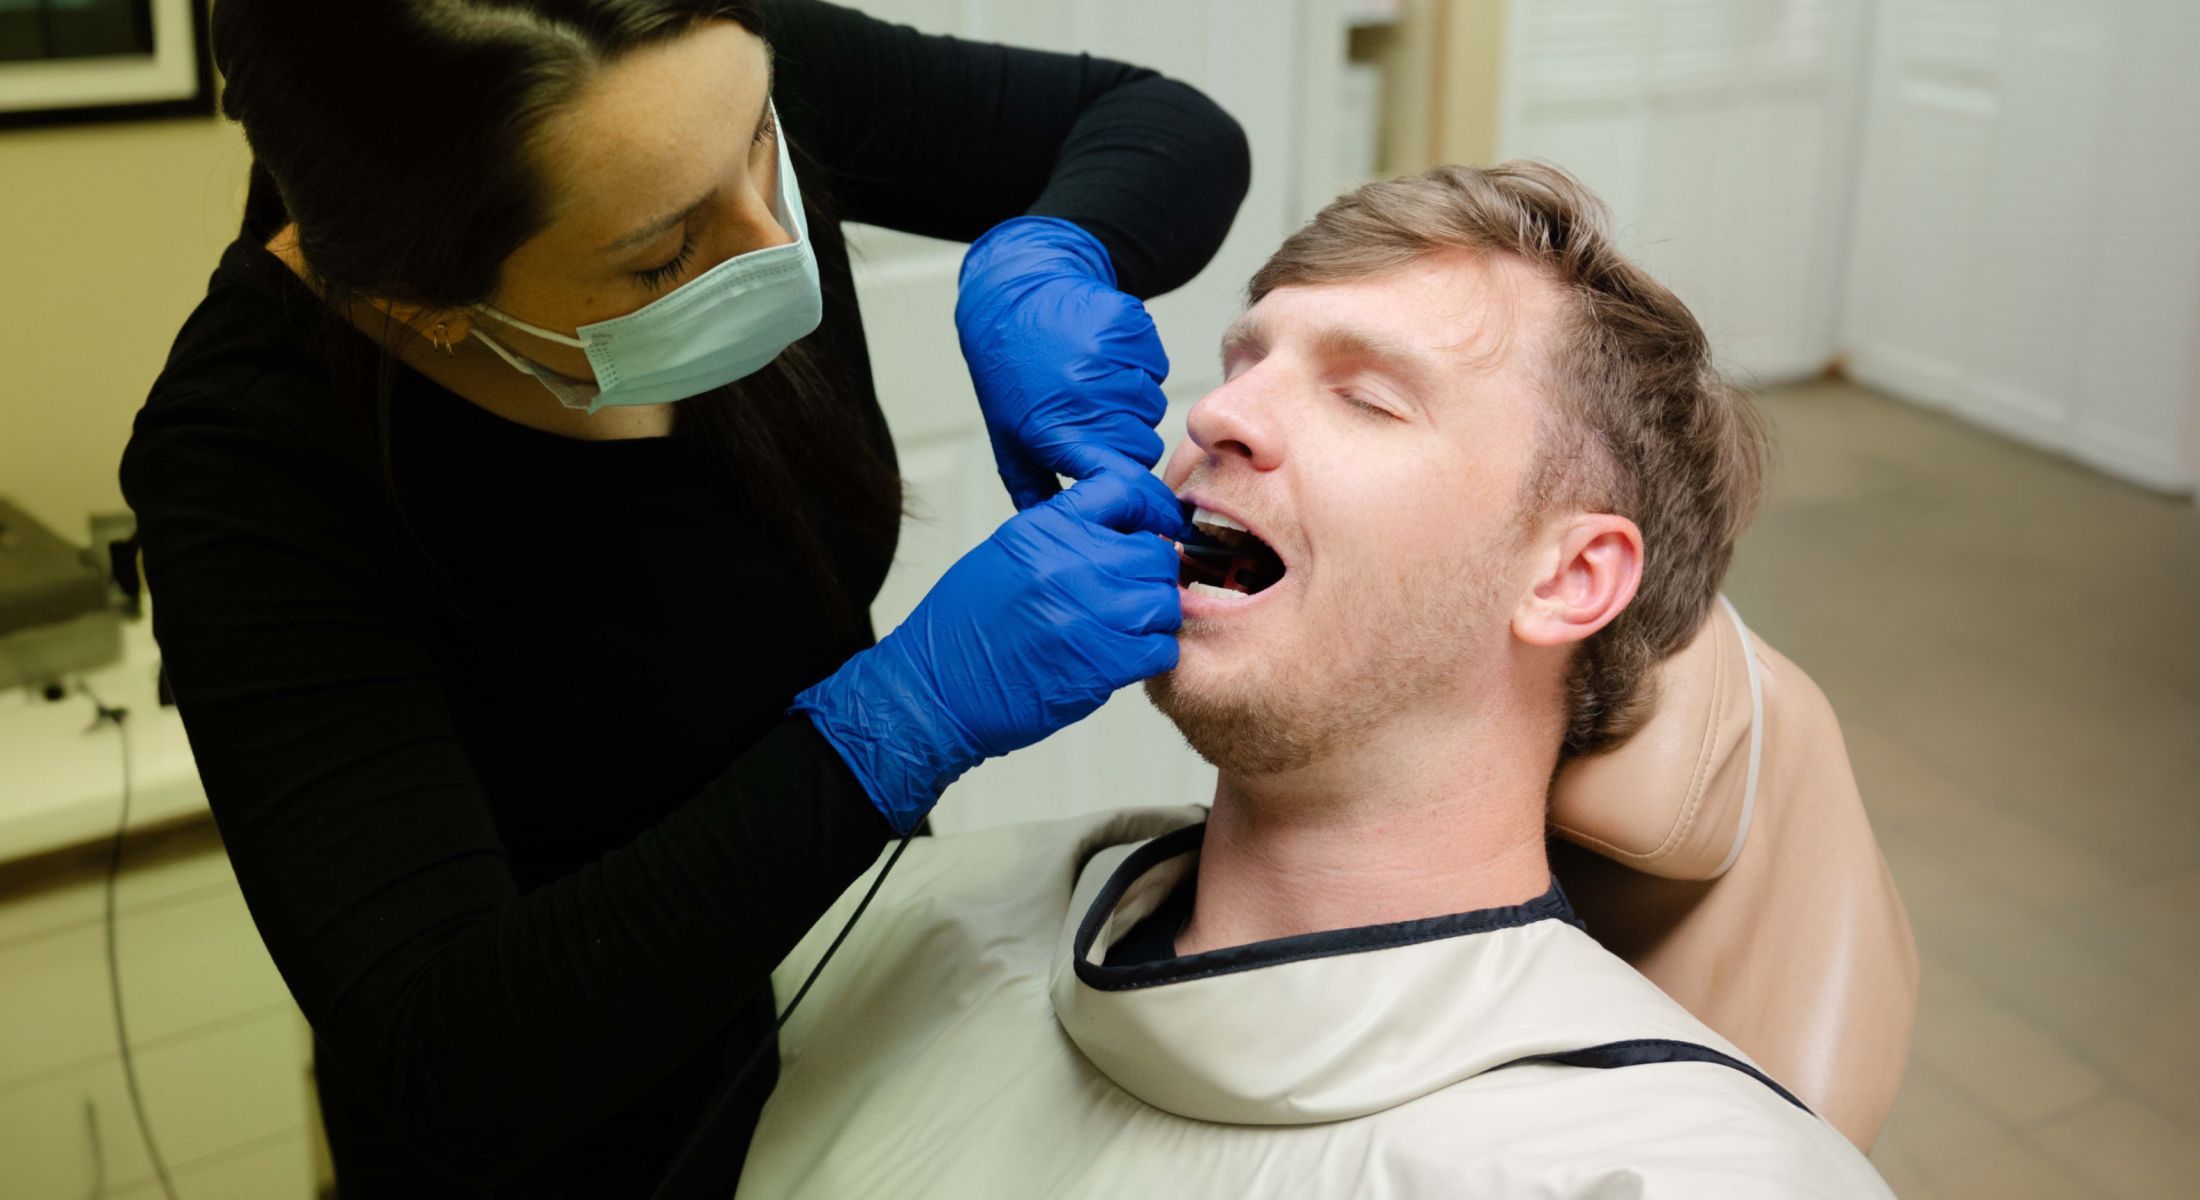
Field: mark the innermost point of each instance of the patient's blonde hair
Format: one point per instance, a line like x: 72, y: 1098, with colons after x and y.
x: 1641, y: 424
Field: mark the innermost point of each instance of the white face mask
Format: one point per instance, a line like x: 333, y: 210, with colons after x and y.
x: 720, y: 326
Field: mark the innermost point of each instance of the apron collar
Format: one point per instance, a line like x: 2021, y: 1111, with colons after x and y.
x: 1334, y: 1025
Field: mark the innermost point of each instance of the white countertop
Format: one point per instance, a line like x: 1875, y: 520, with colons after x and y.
x: 61, y: 768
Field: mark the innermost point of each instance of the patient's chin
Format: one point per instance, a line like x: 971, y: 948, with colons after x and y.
x: 1236, y: 734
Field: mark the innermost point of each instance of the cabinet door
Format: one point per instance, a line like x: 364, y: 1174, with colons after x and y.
x: 1720, y: 132
x: 2025, y: 254
x: 273, y: 1169
x: 213, y: 1032
x: 1235, y: 51
x: 225, y: 1100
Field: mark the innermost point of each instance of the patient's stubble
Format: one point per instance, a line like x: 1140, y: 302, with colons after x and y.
x: 1363, y: 654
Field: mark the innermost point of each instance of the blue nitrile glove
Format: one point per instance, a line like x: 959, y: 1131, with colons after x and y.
x: 1066, y: 366
x: 1066, y: 602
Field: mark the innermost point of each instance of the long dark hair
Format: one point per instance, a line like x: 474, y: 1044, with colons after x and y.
x: 394, y: 134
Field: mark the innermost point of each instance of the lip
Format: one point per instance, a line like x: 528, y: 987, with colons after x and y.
x: 1206, y: 604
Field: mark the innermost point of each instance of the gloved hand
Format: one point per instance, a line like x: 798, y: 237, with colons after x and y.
x: 1066, y: 602
x: 1066, y: 366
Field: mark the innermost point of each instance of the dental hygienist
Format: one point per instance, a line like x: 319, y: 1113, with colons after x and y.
x: 512, y: 503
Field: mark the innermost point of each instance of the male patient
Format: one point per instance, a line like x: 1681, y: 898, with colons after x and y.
x: 1469, y: 478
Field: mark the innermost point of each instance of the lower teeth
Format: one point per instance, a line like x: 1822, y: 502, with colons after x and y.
x: 1208, y: 589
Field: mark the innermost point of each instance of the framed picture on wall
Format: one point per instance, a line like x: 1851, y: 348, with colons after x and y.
x: 102, y: 60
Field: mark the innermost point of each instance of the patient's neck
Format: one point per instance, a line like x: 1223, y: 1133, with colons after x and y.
x: 1413, y: 822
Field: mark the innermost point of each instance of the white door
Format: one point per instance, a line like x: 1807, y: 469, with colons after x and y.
x: 1720, y: 133
x: 1237, y: 51
x: 2027, y: 252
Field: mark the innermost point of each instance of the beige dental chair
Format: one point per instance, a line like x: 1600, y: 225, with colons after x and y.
x: 1723, y: 850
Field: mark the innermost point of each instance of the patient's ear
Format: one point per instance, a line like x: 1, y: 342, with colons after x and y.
x: 1587, y: 575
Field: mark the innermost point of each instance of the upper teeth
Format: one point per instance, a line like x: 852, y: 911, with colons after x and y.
x: 1201, y: 516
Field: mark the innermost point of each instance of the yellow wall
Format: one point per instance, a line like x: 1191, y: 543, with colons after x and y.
x: 107, y: 234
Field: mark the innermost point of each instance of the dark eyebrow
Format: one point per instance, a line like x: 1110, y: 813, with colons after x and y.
x: 657, y: 227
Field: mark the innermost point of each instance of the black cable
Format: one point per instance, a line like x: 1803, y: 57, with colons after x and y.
x: 114, y: 963
x: 99, y: 1152
x: 673, y: 1185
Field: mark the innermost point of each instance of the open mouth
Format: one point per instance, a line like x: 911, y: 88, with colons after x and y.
x: 1219, y: 553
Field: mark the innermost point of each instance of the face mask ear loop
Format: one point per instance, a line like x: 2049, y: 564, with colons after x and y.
x: 511, y: 359
x: 574, y: 394
x: 548, y: 335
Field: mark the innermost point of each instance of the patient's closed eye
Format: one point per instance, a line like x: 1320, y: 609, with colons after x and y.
x: 1362, y: 402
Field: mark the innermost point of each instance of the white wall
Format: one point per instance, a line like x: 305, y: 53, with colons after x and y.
x: 1241, y: 52
x: 2027, y: 250
x: 1721, y: 133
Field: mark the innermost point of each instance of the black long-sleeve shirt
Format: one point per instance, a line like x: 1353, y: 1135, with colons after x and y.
x: 508, y: 784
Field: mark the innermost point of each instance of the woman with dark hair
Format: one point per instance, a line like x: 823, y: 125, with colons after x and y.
x: 514, y: 499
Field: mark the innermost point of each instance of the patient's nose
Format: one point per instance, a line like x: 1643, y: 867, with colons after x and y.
x: 1236, y: 421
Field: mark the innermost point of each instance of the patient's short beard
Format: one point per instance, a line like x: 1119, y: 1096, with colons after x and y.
x: 1394, y: 648
x: 1240, y: 735
x: 1293, y: 713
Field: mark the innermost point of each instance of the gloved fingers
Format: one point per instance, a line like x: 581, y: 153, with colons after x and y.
x: 1154, y: 654
x: 1128, y: 337
x: 1117, y: 437
x: 1123, y: 496
x: 1108, y: 389
x: 1139, y: 557
x: 1027, y: 482
x: 1132, y: 397
x: 1139, y: 607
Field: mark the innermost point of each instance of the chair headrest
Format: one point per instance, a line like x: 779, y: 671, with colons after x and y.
x: 1675, y: 799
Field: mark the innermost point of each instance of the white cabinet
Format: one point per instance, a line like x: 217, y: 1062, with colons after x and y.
x: 218, y: 1046
x: 1980, y: 205
x: 2026, y: 251
x: 1721, y: 134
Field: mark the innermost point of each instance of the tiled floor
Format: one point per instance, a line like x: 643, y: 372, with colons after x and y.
x: 2011, y: 642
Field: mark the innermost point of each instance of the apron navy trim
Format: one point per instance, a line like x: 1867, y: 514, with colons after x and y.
x: 1550, y: 906
x: 1645, y: 1051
